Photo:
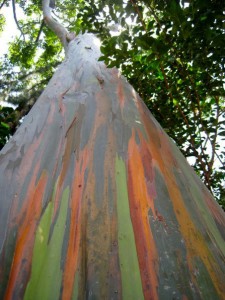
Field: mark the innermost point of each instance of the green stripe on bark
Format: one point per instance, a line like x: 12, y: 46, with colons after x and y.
x: 46, y: 275
x: 130, y: 272
x: 76, y: 287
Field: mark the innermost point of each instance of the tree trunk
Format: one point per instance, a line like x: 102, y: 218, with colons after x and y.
x: 97, y: 202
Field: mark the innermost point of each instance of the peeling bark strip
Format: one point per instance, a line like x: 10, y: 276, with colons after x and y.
x: 97, y: 202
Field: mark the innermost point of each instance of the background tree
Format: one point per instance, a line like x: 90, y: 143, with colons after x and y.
x: 96, y: 200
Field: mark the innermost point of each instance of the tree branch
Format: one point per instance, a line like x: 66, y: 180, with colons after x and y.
x: 61, y: 32
x: 3, y: 4
x: 133, y: 2
x: 15, y: 18
x: 40, y: 31
x: 213, y: 143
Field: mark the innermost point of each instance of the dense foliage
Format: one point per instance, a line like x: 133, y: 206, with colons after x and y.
x: 170, y: 51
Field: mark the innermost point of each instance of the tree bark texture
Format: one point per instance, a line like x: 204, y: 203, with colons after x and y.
x: 96, y: 200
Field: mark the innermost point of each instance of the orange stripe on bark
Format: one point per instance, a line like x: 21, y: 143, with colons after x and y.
x: 120, y: 93
x: 30, y: 214
x: 147, y: 164
x: 75, y: 227
x: 140, y: 203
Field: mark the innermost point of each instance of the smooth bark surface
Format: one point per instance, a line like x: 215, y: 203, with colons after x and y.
x: 98, y: 203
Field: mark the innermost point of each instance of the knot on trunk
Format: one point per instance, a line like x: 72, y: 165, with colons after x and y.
x: 70, y: 36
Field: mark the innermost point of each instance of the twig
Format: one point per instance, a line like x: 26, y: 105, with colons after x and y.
x: 3, y: 4
x: 155, y: 16
x: 40, y: 31
x: 165, y: 79
x: 15, y: 18
x: 192, y: 141
x: 139, y: 14
x: 214, y: 153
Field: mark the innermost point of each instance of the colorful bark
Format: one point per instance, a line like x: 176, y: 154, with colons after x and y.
x: 97, y: 202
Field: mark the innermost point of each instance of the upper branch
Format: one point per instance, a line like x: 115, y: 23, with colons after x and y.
x: 15, y: 18
x: 39, y: 32
x: 4, y: 1
x: 56, y: 27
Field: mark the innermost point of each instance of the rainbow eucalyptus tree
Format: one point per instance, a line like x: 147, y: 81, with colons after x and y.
x: 96, y: 200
